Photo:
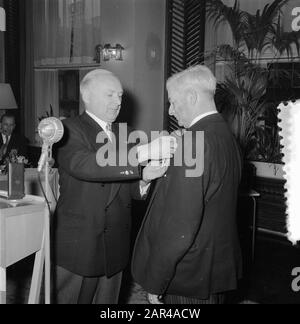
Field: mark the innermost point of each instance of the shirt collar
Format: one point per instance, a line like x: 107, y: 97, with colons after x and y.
x: 99, y: 121
x: 4, y: 138
x: 199, y: 117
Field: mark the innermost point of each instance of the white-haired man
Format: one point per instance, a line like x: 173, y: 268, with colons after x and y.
x: 187, y: 249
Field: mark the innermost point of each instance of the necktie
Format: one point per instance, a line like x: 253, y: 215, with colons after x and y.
x: 109, y: 131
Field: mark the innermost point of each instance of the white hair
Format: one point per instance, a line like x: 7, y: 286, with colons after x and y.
x: 199, y: 77
x: 91, y: 77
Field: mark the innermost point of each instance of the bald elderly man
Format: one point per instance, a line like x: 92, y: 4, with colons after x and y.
x: 93, y: 216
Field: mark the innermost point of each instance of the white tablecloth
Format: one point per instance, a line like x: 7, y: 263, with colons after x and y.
x: 32, y: 186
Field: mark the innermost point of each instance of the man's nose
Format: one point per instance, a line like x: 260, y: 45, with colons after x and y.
x: 118, y: 100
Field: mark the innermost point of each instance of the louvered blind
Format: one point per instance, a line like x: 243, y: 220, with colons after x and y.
x: 12, y: 46
x: 186, y: 24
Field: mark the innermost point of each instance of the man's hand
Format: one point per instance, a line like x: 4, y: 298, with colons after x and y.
x: 163, y: 147
x: 154, y: 170
x: 154, y: 299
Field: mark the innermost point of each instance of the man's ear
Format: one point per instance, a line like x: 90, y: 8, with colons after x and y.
x: 86, y: 96
x: 192, y: 96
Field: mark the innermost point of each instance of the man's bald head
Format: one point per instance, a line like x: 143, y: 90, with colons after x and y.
x: 102, y: 92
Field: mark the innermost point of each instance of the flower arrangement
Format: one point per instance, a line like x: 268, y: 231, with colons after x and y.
x: 13, y: 157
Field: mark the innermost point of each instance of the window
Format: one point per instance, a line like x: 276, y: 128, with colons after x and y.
x: 65, y: 31
x: 285, y: 83
x: 186, y: 27
x: 68, y: 93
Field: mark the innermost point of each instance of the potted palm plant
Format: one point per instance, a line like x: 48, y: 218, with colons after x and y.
x: 241, y: 96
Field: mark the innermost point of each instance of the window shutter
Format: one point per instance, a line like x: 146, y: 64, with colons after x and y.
x: 185, y: 45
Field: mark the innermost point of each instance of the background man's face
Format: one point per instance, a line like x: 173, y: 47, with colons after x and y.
x: 105, y: 98
x: 8, y: 125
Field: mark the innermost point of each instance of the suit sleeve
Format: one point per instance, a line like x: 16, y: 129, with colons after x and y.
x: 78, y: 160
x: 180, y: 222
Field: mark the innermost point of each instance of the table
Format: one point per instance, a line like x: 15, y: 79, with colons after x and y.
x: 22, y: 233
x: 32, y: 186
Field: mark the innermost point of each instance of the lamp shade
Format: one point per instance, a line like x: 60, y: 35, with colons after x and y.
x: 7, y: 98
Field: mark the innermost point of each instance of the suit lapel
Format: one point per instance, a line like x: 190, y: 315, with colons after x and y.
x: 115, y: 187
x: 92, y: 129
x: 155, y: 190
x: 198, y: 126
x: 11, y: 143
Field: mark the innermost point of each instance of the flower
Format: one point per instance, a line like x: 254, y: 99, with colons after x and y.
x: 13, y: 157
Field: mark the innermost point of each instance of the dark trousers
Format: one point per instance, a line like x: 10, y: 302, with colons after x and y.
x: 70, y: 288
x: 213, y: 299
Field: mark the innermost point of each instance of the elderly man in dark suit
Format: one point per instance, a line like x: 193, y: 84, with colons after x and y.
x: 9, y: 139
x: 93, y: 217
x: 187, y: 249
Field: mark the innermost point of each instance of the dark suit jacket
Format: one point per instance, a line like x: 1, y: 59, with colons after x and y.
x: 188, y: 243
x: 93, y: 215
x: 16, y: 142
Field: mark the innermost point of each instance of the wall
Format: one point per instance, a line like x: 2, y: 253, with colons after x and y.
x: 2, y: 71
x: 139, y: 26
x: 150, y: 63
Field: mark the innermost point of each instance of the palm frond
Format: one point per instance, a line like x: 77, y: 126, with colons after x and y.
x: 259, y: 26
x: 241, y: 97
x: 218, y: 12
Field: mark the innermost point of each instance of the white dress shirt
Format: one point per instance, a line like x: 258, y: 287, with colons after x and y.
x: 4, y: 138
x: 103, y: 124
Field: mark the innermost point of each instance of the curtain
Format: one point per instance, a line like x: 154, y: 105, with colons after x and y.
x: 46, y: 94
x: 27, y: 74
x: 66, y: 31
x: 82, y: 74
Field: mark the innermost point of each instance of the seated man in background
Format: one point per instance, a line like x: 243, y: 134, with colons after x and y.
x: 9, y: 139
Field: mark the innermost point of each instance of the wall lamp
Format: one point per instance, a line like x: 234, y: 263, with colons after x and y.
x: 108, y: 52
